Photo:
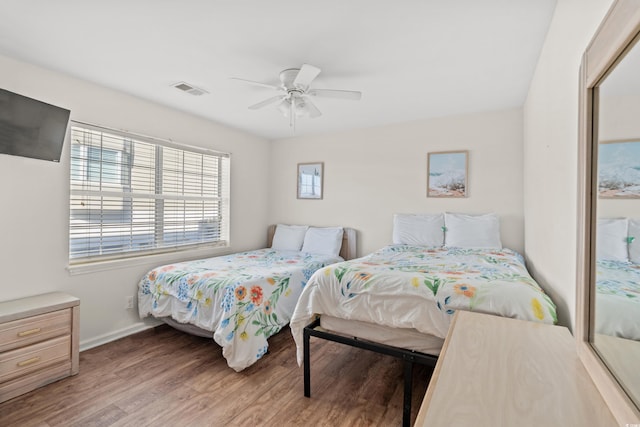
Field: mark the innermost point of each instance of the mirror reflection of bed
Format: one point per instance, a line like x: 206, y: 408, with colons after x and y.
x: 617, y: 305
x: 618, y: 277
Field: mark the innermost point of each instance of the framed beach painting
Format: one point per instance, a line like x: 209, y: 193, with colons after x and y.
x: 310, y: 176
x: 619, y: 169
x: 447, y: 174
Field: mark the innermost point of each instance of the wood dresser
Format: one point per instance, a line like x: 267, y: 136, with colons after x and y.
x: 38, y: 342
x: 494, y: 371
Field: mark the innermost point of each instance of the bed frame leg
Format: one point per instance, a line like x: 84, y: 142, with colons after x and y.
x: 408, y: 388
x: 307, y: 363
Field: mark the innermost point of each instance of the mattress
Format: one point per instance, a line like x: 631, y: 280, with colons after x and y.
x: 408, y: 338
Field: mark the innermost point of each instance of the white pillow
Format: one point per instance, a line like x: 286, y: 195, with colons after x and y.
x: 323, y: 241
x: 611, y: 239
x: 472, y: 231
x: 418, y: 229
x: 289, y: 237
x: 634, y: 240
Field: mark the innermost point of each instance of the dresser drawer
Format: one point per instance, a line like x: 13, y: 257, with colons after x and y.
x: 23, y: 361
x: 23, y: 332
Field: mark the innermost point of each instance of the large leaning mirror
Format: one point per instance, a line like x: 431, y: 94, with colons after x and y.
x: 616, y: 335
x: 608, y: 323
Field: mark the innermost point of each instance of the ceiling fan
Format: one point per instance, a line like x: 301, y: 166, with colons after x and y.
x: 295, y: 97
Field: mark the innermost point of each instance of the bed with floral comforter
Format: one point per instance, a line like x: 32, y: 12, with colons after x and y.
x: 242, y: 298
x: 618, y: 299
x: 404, y: 286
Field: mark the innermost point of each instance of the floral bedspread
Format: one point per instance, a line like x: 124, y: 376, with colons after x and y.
x: 618, y: 299
x: 242, y: 298
x: 406, y: 286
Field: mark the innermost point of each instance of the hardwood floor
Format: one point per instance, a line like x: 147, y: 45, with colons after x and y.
x: 163, y: 377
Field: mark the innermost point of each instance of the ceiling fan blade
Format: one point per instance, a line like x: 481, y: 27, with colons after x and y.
x: 266, y: 102
x: 311, y: 108
x: 332, y: 93
x: 251, y: 82
x: 306, y: 75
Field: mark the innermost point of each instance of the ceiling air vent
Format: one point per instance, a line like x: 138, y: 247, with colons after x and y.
x: 190, y: 89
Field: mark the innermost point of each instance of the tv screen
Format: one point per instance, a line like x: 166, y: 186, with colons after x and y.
x: 31, y: 128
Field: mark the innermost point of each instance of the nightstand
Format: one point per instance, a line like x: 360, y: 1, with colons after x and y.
x: 39, y: 342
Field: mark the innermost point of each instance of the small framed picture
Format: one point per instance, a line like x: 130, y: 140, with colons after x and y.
x: 310, y: 177
x: 447, y: 174
x: 619, y: 169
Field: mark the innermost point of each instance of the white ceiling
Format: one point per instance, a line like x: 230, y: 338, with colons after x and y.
x: 412, y: 59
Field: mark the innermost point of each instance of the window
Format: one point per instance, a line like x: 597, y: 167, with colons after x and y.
x: 133, y: 195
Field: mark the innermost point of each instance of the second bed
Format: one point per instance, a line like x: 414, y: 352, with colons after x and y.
x: 400, y: 299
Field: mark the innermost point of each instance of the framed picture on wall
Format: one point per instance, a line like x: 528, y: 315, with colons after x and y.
x: 447, y: 174
x: 619, y: 169
x: 310, y: 177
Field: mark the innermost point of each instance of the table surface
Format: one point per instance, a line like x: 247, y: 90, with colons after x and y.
x: 495, y: 371
x: 34, y: 305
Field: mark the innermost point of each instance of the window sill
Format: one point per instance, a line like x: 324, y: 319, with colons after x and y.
x: 151, y: 260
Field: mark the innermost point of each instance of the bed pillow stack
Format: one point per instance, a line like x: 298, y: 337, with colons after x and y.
x: 472, y: 231
x: 323, y: 241
x: 289, y: 237
x: 449, y: 230
x: 313, y: 240
x: 618, y: 239
x: 418, y: 229
x: 611, y: 239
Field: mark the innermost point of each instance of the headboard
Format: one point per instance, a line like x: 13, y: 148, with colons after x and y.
x: 347, y: 251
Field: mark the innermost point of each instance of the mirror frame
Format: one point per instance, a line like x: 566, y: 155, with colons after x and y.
x: 616, y: 34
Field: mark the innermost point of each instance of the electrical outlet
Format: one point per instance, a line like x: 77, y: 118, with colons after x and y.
x: 128, y: 303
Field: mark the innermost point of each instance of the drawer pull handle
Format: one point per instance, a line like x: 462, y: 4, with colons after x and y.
x: 29, y: 361
x: 29, y: 332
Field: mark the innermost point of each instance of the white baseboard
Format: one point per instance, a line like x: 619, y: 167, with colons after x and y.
x: 120, y: 333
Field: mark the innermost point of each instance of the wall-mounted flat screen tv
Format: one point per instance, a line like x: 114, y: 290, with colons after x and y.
x: 31, y: 128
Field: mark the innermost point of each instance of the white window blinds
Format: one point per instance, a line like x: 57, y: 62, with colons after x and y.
x: 132, y: 195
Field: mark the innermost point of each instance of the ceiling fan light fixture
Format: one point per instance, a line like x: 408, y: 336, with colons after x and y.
x: 299, y: 106
x: 284, y: 107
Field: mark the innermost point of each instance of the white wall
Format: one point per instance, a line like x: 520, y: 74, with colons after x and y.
x: 370, y: 174
x: 551, y: 152
x: 34, y: 197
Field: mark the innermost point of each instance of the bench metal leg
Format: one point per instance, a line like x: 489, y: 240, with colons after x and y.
x: 307, y: 363
x: 408, y: 389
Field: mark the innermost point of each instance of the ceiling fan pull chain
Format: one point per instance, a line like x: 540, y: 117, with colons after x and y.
x: 292, y: 115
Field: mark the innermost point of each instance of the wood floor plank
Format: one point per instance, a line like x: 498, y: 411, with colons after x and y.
x: 165, y: 377
x: 155, y: 414
x: 62, y: 397
x: 104, y: 417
